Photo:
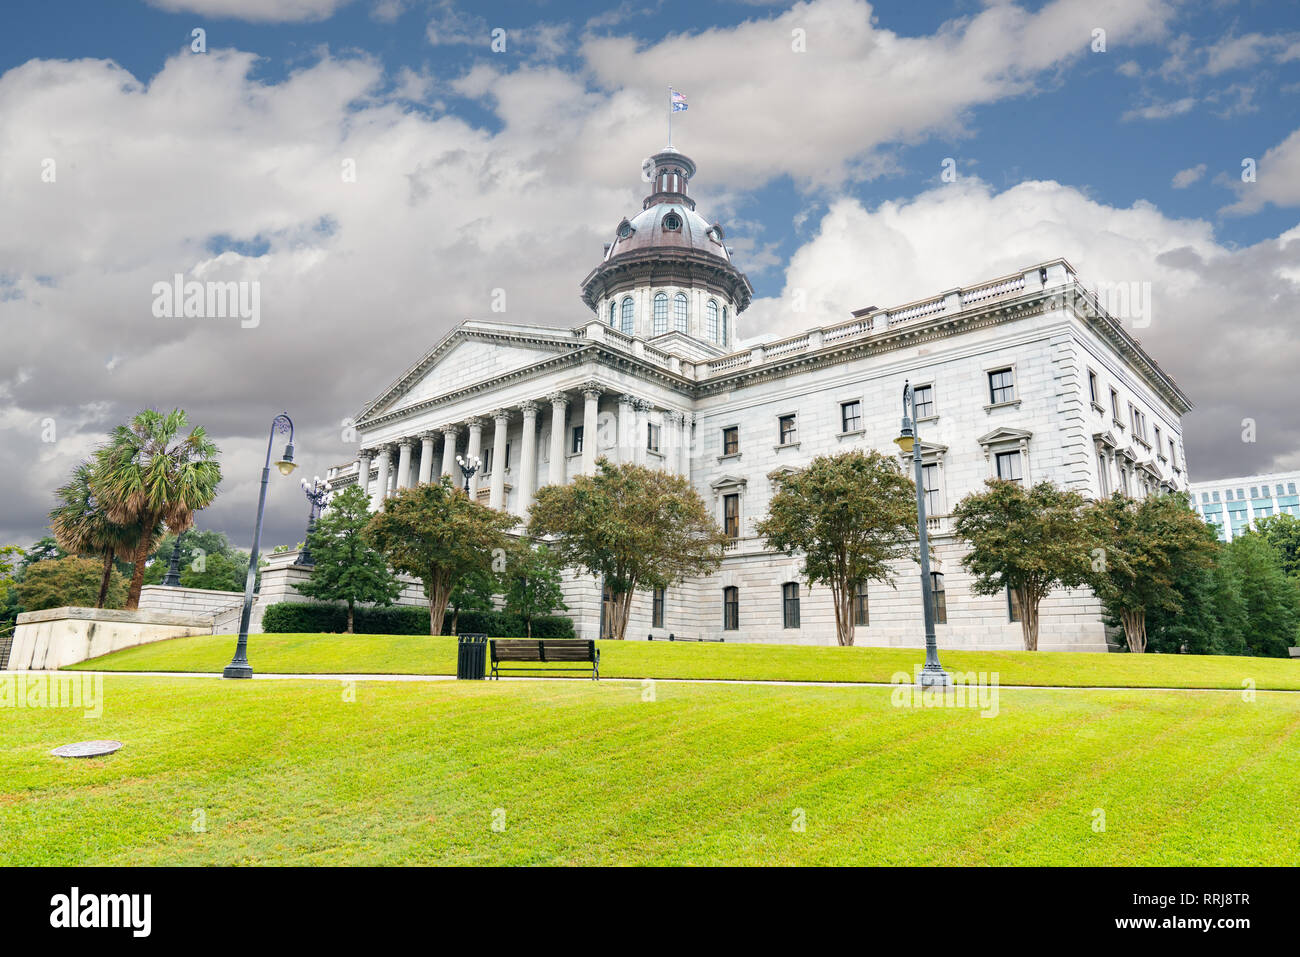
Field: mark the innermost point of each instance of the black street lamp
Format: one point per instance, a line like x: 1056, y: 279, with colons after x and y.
x: 468, y: 466
x: 173, y: 576
x: 932, y: 675
x: 239, y: 666
x: 318, y: 494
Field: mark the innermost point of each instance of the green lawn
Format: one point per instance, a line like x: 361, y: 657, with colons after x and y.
x: 289, y: 772
x: 407, y: 654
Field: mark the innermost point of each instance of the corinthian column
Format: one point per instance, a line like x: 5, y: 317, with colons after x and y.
x: 528, y: 458
x: 404, y: 463
x: 449, y: 434
x: 497, y: 494
x: 559, y: 405
x: 363, y: 470
x: 381, y: 491
x: 684, y: 451
x: 639, y: 436
x: 626, y: 426
x: 590, y: 426
x: 474, y: 451
x: 426, y: 457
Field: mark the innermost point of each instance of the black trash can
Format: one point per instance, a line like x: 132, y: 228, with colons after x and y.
x: 471, y: 656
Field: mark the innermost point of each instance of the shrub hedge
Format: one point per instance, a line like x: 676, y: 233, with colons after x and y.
x: 295, y: 617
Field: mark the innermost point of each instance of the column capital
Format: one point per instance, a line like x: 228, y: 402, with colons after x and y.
x: 429, y: 435
x: 367, y: 453
x: 643, y: 405
x: 406, y: 442
x: 672, y: 415
x: 626, y: 399
x: 558, y: 398
x: 450, y: 431
x: 386, y: 449
x: 500, y: 414
x: 592, y: 389
x: 528, y: 407
x: 475, y: 422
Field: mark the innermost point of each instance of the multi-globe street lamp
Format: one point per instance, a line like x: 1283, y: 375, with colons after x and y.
x: 468, y: 466
x: 173, y: 576
x: 239, y: 666
x: 932, y: 675
x: 318, y: 494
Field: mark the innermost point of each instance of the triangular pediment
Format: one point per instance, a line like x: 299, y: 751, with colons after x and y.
x: 472, y: 354
x: 998, y: 436
x: 727, y: 481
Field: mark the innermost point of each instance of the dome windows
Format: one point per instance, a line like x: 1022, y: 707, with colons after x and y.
x: 625, y: 230
x: 627, y: 316
x: 679, y: 312
x: 711, y: 319
x: 672, y: 222
x: 613, y: 315
x: 661, y: 314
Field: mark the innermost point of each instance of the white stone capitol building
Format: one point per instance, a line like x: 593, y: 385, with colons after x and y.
x: 1023, y: 376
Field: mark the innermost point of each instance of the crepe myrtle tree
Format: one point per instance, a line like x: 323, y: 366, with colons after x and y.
x: 1028, y: 539
x: 151, y: 473
x: 851, y: 516
x: 1145, y: 547
x: 631, y: 526
x: 531, y: 583
x: 438, y: 534
x: 347, y: 568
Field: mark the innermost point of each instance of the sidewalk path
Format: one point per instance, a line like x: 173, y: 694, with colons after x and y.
x: 265, y: 676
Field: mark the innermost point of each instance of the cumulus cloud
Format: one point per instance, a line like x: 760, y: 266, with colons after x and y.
x: 264, y: 11
x: 1277, y: 179
x: 1186, y: 177
x: 965, y: 232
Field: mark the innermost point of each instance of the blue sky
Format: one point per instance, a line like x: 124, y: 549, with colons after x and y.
x: 484, y: 169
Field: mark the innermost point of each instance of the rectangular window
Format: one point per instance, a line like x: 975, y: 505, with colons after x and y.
x: 1002, y: 387
x: 861, y: 611
x: 1157, y: 441
x: 790, y: 604
x: 731, y: 608
x: 657, y: 620
x: 1103, y: 480
x: 930, y: 483
x: 1114, y: 405
x: 789, y: 432
x: 652, y: 437
x: 487, y: 461
x: 923, y: 401
x: 850, y: 416
x: 577, y: 439
x: 1013, y: 604
x: 1008, y: 464
x: 1092, y: 387
x: 731, y: 515
x: 938, y: 598
x: 731, y: 440
x: 507, y: 461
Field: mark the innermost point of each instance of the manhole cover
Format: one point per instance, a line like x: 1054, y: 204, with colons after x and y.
x: 86, y: 749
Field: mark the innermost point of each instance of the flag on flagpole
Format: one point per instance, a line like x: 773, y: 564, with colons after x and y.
x: 678, y: 100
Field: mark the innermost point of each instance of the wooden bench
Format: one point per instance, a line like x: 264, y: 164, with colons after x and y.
x: 544, y: 651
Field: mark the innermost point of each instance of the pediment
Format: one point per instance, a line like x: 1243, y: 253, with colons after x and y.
x: 728, y: 481
x: 470, y: 355
x: 1106, y: 438
x: 998, y: 436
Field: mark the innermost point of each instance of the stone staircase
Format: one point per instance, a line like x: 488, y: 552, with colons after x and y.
x: 226, y: 620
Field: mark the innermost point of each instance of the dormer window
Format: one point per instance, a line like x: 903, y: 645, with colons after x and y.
x: 625, y: 230
x: 672, y: 222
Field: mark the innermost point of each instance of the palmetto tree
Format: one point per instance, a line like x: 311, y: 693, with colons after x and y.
x: 149, y: 473
x: 81, y: 526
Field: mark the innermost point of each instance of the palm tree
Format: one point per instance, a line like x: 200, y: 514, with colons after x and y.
x: 149, y: 474
x: 81, y: 526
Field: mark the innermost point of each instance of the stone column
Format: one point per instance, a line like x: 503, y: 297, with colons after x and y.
x: 626, y: 425
x: 497, y: 494
x: 688, y: 422
x: 426, y: 457
x: 559, y: 406
x: 590, y: 427
x: 639, y: 436
x: 474, y: 450
x: 404, y: 462
x: 672, y: 441
x: 528, y: 458
x: 449, y: 434
x: 381, y: 484
x: 363, y: 470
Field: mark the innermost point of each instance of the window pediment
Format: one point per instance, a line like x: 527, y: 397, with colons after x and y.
x: 1005, y: 436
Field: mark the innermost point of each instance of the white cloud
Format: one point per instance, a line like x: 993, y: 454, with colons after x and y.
x: 1277, y: 179
x: 1186, y: 177
x: 1202, y: 291
x: 264, y: 11
x: 1161, y: 110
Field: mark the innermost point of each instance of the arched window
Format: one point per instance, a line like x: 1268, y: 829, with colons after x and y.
x: 613, y: 315
x: 627, y: 315
x: 723, y: 327
x: 711, y: 320
x: 661, y: 313
x: 679, y: 312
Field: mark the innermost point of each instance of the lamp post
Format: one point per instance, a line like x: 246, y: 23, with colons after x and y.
x: 173, y: 576
x: 468, y: 466
x: 318, y: 494
x: 239, y: 666
x: 932, y: 675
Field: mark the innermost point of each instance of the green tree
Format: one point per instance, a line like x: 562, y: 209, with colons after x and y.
x: 207, y: 560
x: 631, y: 526
x: 81, y: 526
x: 347, y: 568
x: 852, y: 516
x: 11, y: 557
x: 1283, y: 533
x: 1147, y: 545
x: 1030, y: 540
x: 149, y: 473
x: 435, y: 533
x: 474, y: 592
x: 532, y: 578
x: 68, y: 581
x: 1270, y: 598
x: 42, y: 550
